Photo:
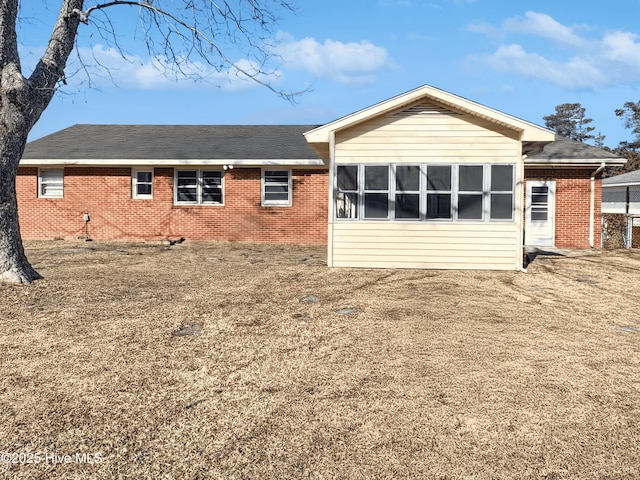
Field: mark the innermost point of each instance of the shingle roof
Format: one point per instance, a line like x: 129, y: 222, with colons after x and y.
x: 622, y: 179
x: 174, y: 142
x: 565, y: 150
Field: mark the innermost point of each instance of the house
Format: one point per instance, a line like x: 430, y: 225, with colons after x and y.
x: 152, y: 182
x: 621, y: 208
x: 426, y: 179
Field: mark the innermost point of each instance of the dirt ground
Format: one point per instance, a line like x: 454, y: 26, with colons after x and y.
x: 228, y: 361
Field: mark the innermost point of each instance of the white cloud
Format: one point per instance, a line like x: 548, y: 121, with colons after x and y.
x: 350, y: 63
x: 581, y: 62
x: 107, y: 67
x: 353, y: 63
x: 576, y: 73
x: 542, y: 25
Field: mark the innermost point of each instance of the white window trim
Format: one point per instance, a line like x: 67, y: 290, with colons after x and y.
x: 276, y: 203
x: 134, y: 184
x: 42, y: 183
x: 198, y: 201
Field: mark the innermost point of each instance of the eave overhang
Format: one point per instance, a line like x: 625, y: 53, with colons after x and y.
x: 128, y: 162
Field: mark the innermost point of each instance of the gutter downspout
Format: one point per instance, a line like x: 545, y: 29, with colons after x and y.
x: 592, y: 199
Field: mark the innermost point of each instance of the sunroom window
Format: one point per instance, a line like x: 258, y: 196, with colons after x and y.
x: 407, y: 194
x: 439, y: 191
x: 425, y: 192
x: 501, y: 192
x: 347, y: 191
x: 376, y: 191
x: 470, y: 192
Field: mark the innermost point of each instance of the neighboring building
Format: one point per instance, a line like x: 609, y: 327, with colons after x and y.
x: 423, y: 180
x: 621, y: 209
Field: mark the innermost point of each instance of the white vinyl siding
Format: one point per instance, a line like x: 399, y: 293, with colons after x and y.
x: 142, y: 184
x: 489, y: 234
x: 412, y: 139
x: 51, y: 182
x: 411, y: 245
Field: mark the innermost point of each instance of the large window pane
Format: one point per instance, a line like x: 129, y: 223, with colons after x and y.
x: 502, y: 178
x: 211, y: 187
x: 438, y: 205
x: 144, y: 177
x: 407, y: 205
x: 501, y: 206
x: 470, y: 178
x: 143, y: 189
x: 469, y: 207
x: 376, y: 177
x: 348, y: 177
x: 347, y: 205
x: 276, y: 192
x: 185, y: 195
x: 187, y: 186
x: 407, y: 178
x: 376, y: 205
x: 439, y: 177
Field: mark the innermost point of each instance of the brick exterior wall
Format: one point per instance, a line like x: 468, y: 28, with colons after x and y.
x: 105, y: 194
x: 573, y: 190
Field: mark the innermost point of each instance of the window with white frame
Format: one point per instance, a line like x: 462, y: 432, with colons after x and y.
x: 198, y: 187
x: 439, y: 192
x: 142, y: 184
x: 276, y: 187
x: 501, y: 192
x: 407, y: 192
x: 425, y: 192
x: 50, y: 182
x: 347, y: 191
x: 376, y: 191
x: 470, y: 192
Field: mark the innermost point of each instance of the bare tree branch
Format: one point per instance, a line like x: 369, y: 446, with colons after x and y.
x: 220, y: 20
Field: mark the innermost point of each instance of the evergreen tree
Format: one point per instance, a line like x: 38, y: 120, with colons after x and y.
x: 570, y: 121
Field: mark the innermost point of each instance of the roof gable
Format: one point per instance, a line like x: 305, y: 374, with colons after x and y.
x: 441, y: 100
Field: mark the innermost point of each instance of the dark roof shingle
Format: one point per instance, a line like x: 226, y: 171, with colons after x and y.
x: 179, y: 142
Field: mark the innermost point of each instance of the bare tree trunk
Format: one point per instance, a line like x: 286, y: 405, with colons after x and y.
x: 14, y: 266
x: 22, y: 101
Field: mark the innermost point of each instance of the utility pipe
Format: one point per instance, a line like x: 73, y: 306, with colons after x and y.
x: 592, y: 206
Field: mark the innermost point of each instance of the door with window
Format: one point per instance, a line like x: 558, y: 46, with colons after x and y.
x: 540, y: 213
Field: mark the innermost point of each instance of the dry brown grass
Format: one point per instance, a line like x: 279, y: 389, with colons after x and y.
x: 437, y: 375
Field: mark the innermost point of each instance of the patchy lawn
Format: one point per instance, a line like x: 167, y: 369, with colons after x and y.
x: 207, y: 361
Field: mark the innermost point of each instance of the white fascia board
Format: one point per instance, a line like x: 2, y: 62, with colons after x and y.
x: 529, y: 131
x: 573, y: 162
x: 626, y: 184
x: 128, y: 162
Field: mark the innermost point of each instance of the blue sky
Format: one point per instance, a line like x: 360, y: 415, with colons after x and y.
x: 520, y: 57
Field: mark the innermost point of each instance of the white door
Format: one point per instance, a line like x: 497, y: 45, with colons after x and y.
x: 539, y: 228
